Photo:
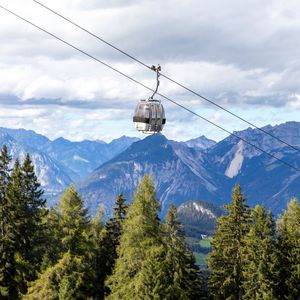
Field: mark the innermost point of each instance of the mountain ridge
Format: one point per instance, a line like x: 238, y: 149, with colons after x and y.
x: 210, y: 174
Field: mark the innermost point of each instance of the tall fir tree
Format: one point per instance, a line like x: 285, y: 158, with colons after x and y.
x: 141, y: 247
x: 73, y: 222
x: 65, y: 280
x: 22, y: 227
x: 14, y: 273
x: 95, y: 257
x: 52, y: 243
x: 72, y: 276
x: 33, y: 210
x: 225, y: 260
x: 110, y: 239
x: 260, y: 257
x: 6, y: 246
x: 183, y: 277
x: 289, y: 246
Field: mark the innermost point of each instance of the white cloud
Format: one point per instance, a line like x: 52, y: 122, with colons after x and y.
x: 243, y: 54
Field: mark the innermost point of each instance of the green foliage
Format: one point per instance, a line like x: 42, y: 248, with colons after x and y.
x: 64, y: 280
x: 183, y: 278
x: 73, y: 221
x: 225, y: 281
x: 110, y: 240
x: 289, y: 246
x: 205, y: 243
x: 74, y: 274
x: 6, y: 245
x: 139, y: 245
x: 21, y: 211
x: 52, y: 245
x: 260, y: 257
x: 62, y: 254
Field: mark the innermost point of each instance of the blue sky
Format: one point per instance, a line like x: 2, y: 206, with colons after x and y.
x: 243, y: 55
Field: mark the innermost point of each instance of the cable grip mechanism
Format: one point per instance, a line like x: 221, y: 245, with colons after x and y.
x: 157, y: 70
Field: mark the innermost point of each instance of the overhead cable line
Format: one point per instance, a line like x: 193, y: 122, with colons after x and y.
x: 150, y: 89
x: 167, y: 77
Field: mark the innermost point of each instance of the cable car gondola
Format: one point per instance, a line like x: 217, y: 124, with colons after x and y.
x: 149, y: 115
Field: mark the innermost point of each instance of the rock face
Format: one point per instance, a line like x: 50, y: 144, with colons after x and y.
x: 263, y: 178
x: 182, y: 172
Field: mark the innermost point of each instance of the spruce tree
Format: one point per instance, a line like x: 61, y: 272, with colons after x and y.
x: 73, y: 222
x: 21, y: 209
x: 72, y: 276
x: 183, y: 275
x: 95, y: 257
x: 289, y: 246
x: 260, y: 257
x: 110, y: 239
x: 13, y: 275
x: 225, y: 260
x: 52, y: 243
x: 140, y: 244
x: 5, y: 160
x: 64, y: 280
x: 6, y: 246
x: 33, y: 211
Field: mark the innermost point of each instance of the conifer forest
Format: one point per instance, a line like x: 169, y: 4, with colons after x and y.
x: 64, y: 253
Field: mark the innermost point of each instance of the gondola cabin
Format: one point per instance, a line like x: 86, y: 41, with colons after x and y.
x: 149, y: 116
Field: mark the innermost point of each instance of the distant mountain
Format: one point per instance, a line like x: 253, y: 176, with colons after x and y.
x: 60, y: 162
x: 26, y: 137
x: 263, y: 178
x: 196, y: 169
x: 83, y: 157
x: 201, y: 142
x: 198, y: 217
x: 52, y: 176
x: 182, y: 172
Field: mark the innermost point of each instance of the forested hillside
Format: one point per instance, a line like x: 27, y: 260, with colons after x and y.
x: 63, y: 253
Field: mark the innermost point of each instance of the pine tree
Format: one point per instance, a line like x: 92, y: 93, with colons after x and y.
x: 21, y: 208
x: 73, y: 222
x: 13, y: 279
x: 6, y: 249
x: 260, y: 257
x: 72, y: 276
x: 32, y: 211
x: 52, y: 243
x: 140, y: 244
x: 183, y: 278
x: 95, y: 256
x: 110, y: 239
x: 64, y: 280
x: 5, y: 160
x: 289, y: 246
x: 225, y: 280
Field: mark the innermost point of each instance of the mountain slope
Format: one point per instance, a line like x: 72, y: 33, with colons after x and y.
x: 180, y: 173
x: 60, y: 162
x: 198, y: 217
x: 263, y: 178
x: 52, y: 176
x: 201, y: 142
x: 83, y: 157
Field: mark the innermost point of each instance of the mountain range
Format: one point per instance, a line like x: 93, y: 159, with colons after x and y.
x: 196, y: 169
x: 60, y: 162
x: 182, y: 173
